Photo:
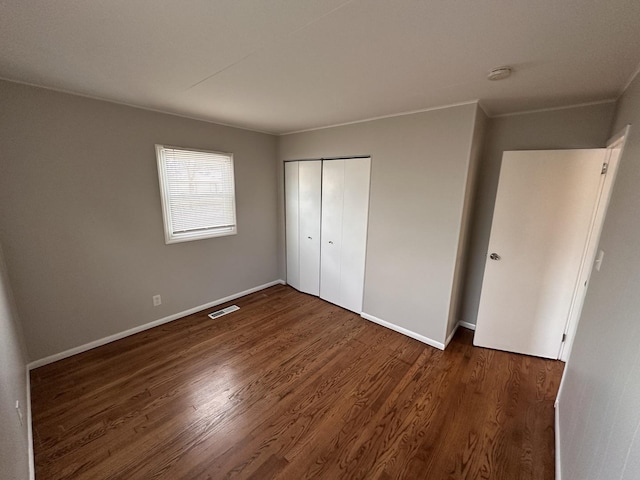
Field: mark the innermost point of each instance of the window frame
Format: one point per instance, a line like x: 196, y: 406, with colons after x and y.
x: 167, y: 219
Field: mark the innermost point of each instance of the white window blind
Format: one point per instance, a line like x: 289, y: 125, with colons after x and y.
x: 198, y: 195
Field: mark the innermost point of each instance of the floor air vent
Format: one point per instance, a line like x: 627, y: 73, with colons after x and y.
x: 224, y: 311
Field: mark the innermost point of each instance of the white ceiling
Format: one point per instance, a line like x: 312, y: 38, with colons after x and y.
x: 287, y: 65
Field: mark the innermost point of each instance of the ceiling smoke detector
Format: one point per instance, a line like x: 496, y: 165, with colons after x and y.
x: 499, y: 73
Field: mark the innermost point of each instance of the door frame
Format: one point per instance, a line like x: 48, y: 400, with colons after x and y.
x: 615, y: 148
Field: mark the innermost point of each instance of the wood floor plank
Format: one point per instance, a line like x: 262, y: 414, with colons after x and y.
x: 294, y: 415
x: 291, y: 387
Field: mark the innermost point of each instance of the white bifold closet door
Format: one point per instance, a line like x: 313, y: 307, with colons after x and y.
x: 303, y: 183
x: 345, y: 213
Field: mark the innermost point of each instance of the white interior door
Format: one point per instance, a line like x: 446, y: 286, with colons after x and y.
x: 332, y: 209
x: 345, y: 212
x: 292, y: 215
x: 310, y: 185
x: 355, y: 218
x: 543, y: 214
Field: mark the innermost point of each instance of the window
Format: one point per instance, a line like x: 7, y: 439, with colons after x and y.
x: 198, y: 195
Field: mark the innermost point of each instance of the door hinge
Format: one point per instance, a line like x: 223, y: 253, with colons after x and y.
x: 564, y: 337
x: 605, y: 167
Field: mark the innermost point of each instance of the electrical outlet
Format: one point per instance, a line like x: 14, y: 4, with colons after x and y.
x: 20, y: 417
x: 157, y: 300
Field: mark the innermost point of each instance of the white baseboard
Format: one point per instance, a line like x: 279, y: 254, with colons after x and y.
x: 450, y: 337
x: 30, y: 452
x: 470, y: 326
x: 403, y: 331
x: 557, y: 435
x: 462, y: 324
x: 111, y: 338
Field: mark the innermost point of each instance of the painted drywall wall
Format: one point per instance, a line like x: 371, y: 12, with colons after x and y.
x: 14, y: 444
x: 468, y: 213
x: 81, y: 221
x: 577, y: 127
x: 418, y: 181
x: 599, y: 418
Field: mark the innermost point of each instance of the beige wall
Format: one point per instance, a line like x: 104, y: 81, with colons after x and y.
x: 14, y: 445
x: 418, y: 180
x: 81, y: 222
x: 578, y: 127
x: 600, y: 399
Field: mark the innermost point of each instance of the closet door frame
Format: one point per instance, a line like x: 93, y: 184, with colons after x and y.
x: 335, y: 289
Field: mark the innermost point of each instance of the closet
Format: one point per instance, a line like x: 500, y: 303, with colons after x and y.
x: 326, y: 214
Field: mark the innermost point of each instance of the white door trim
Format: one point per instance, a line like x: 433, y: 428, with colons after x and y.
x: 615, y: 147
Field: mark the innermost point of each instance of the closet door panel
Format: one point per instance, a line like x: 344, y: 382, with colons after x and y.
x: 292, y: 237
x: 354, y: 231
x: 310, y: 186
x: 332, y: 202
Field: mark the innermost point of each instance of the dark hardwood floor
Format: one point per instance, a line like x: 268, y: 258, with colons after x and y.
x: 292, y: 387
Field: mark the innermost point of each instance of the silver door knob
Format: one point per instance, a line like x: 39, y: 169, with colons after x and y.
x: 310, y: 238
x: 330, y: 242
x: 494, y: 256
